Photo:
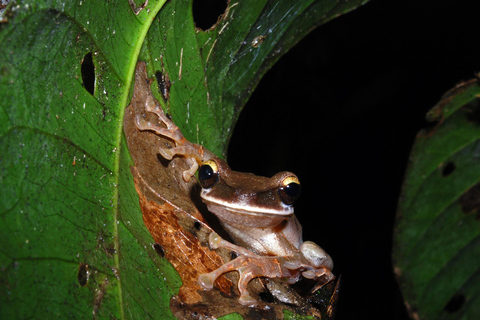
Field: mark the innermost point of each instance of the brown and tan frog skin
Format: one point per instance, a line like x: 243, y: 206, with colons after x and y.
x: 257, y: 213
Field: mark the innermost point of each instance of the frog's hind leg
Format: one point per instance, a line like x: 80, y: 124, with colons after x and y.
x: 170, y: 131
x: 247, y: 273
x: 194, y: 153
x: 248, y: 264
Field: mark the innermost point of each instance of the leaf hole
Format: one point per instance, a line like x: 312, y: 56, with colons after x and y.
x: 448, y: 169
x: 158, y: 248
x: 88, y: 73
x: 110, y: 250
x: 455, y: 303
x: 206, y: 13
x: 82, y: 275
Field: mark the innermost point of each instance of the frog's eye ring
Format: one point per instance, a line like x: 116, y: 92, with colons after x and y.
x: 208, y: 174
x: 290, y: 190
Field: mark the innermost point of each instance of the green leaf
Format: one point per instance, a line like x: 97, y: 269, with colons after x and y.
x: 219, y: 68
x: 74, y: 243
x: 437, y: 234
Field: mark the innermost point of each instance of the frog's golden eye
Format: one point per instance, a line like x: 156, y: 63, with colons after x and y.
x: 290, y: 190
x: 208, y: 174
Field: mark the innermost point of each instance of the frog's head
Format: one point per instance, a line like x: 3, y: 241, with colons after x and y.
x: 246, y: 199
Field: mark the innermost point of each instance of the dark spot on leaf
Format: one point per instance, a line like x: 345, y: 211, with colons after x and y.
x: 206, y: 13
x: 197, y: 225
x: 473, y: 111
x: 99, y: 295
x: 109, y: 249
x: 455, y: 303
x: 470, y: 200
x: 158, y: 248
x: 448, y: 169
x: 82, y: 276
x: 88, y: 73
x: 163, y: 84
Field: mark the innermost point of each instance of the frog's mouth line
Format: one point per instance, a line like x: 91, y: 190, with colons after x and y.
x: 246, y: 216
x: 248, y: 209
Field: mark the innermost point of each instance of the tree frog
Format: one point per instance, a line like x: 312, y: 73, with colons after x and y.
x: 257, y: 213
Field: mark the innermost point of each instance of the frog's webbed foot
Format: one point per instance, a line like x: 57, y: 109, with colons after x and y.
x: 170, y: 131
x: 312, y: 263
x: 194, y: 153
x: 317, y: 262
x: 246, y: 273
x: 248, y: 264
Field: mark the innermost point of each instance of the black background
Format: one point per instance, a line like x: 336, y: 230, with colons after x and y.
x: 341, y: 110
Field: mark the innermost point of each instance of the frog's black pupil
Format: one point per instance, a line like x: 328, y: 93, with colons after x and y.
x: 293, y: 190
x: 207, y: 176
x: 290, y: 193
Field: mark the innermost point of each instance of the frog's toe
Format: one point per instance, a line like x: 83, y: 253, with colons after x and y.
x: 309, y: 274
x: 291, y: 265
x: 247, y: 300
x: 206, y: 281
x: 215, y: 241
